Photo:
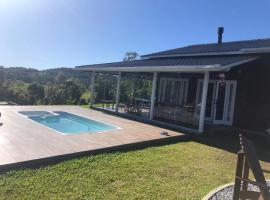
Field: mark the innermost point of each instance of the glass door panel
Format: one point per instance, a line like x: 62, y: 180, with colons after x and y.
x: 209, y: 101
x: 224, y: 103
x: 230, y: 101
x: 168, y: 91
x: 219, y: 102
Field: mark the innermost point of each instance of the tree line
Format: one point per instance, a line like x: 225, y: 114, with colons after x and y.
x: 31, y: 87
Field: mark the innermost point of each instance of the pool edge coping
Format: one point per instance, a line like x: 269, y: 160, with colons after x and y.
x: 27, y: 117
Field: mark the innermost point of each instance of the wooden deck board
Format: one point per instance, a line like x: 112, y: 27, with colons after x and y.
x: 23, y: 140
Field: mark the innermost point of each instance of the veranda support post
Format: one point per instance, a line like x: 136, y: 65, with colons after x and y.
x: 92, y: 89
x: 153, y: 96
x: 118, y: 91
x: 203, y: 102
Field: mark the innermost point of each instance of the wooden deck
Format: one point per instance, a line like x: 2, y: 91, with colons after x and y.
x: 23, y: 141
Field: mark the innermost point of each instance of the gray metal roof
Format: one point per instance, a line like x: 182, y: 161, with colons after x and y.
x: 214, y: 48
x: 213, y: 63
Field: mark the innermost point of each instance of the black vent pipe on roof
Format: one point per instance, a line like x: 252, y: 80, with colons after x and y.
x: 220, y: 32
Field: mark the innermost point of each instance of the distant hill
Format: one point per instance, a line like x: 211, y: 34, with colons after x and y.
x: 30, y: 75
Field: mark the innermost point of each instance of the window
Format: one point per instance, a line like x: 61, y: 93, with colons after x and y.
x: 173, y: 91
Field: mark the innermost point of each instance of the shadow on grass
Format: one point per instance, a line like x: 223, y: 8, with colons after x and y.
x: 229, y: 141
x: 226, y: 139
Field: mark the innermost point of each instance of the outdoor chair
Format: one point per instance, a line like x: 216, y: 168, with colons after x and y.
x: 107, y: 104
x: 248, y: 161
x: 133, y: 107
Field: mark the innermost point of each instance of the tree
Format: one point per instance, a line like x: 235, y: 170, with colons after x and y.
x: 72, y: 91
x: 2, y: 83
x: 17, y: 91
x: 69, y: 92
x: 36, y: 92
x: 132, y: 55
x: 30, y: 86
x: 60, y: 78
x: 105, y: 87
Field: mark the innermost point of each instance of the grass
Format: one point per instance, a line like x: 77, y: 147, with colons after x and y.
x: 184, y: 170
x: 86, y: 95
x: 85, y: 106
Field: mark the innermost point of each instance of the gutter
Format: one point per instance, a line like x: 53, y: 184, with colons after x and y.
x: 177, y: 68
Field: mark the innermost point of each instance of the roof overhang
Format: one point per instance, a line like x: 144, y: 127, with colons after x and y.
x: 196, y: 68
x: 163, y: 68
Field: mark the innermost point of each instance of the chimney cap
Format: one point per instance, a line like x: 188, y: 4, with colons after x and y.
x: 220, y: 29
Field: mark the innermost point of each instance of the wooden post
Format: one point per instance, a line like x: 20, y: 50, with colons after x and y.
x: 203, y: 101
x: 92, y: 89
x: 118, y: 91
x: 245, y: 175
x: 239, y: 172
x: 153, y: 96
x: 248, y: 160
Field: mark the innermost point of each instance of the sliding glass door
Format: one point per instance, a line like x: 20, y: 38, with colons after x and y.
x: 210, y: 99
x: 224, y: 102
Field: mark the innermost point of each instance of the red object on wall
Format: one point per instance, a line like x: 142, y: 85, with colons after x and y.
x: 221, y: 78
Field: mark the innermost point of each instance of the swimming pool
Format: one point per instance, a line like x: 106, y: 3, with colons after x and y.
x: 67, y: 123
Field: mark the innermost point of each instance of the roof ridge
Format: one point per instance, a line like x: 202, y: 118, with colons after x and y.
x: 226, y: 42
x: 252, y: 43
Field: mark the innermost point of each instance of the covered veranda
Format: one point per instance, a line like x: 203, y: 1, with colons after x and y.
x: 171, y: 90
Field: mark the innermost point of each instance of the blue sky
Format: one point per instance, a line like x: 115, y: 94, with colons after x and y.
x: 64, y: 33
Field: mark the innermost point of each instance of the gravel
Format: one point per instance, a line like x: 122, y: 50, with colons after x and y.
x: 227, y: 193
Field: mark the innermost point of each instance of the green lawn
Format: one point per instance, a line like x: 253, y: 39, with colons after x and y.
x: 183, y: 170
x: 85, y: 106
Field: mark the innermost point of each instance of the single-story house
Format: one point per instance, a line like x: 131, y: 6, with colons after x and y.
x: 203, y: 85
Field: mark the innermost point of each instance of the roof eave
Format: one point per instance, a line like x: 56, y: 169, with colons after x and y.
x: 188, y: 68
x: 229, y: 66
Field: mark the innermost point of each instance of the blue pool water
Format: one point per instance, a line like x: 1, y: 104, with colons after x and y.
x: 67, y: 123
